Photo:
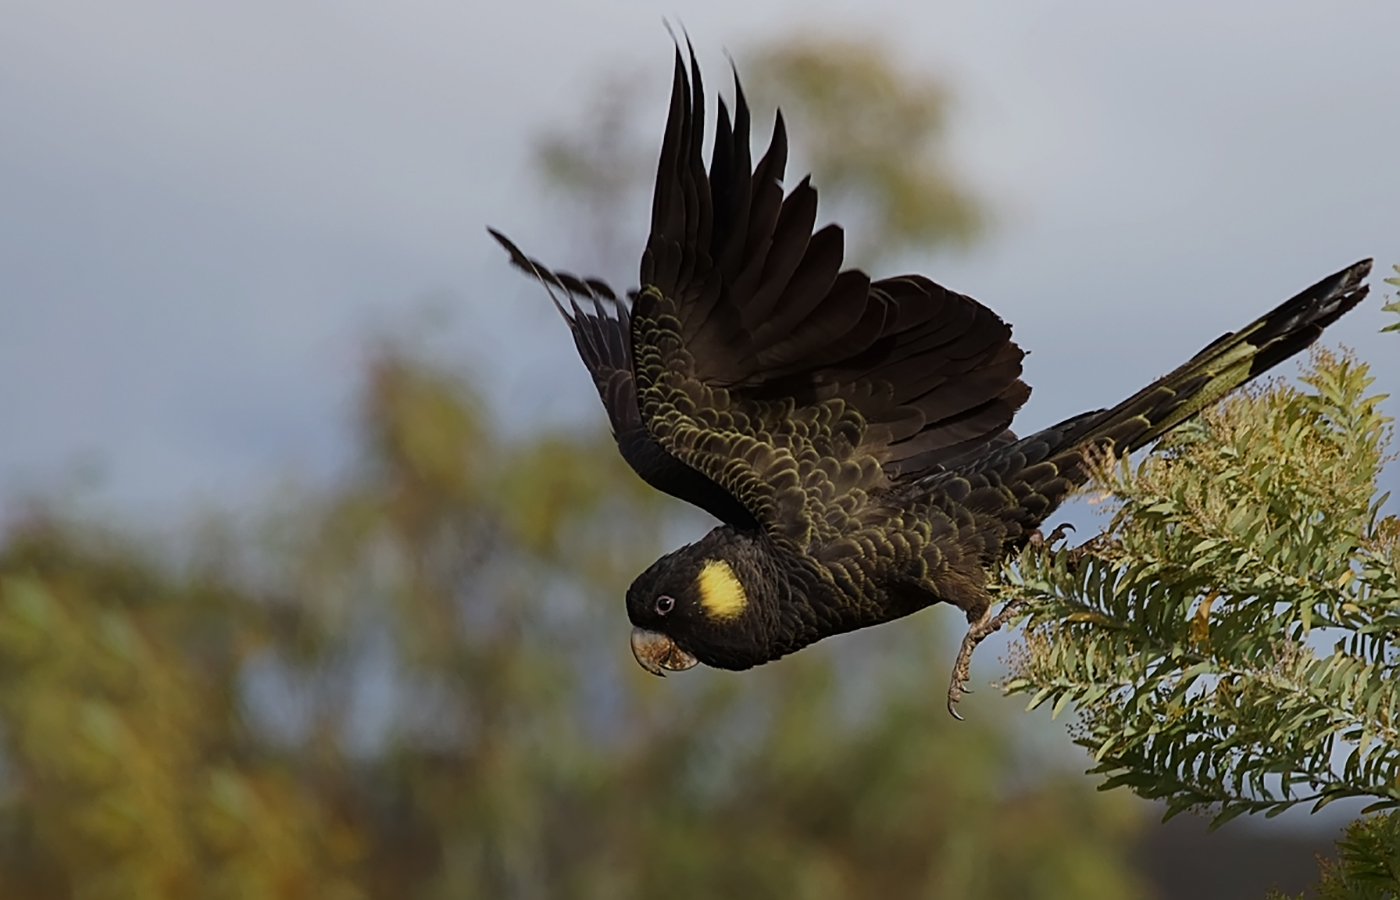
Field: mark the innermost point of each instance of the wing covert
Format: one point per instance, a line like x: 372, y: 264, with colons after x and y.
x: 601, y: 328
x: 763, y: 364
x: 752, y: 375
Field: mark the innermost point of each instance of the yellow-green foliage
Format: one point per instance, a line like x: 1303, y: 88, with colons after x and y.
x: 119, y: 770
x: 1233, y: 629
x: 1229, y: 642
x: 1393, y: 305
x: 1367, y: 865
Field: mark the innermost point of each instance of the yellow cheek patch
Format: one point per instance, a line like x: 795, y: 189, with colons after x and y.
x: 721, y: 594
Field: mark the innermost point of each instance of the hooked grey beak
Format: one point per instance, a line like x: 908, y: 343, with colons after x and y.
x: 657, y: 653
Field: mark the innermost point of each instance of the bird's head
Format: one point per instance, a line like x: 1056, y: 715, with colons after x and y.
x: 710, y: 602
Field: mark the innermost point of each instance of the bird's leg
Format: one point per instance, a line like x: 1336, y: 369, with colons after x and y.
x: 977, y: 632
x: 1037, y: 539
x: 1097, y: 546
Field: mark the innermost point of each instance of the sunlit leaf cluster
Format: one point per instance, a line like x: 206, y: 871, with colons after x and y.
x: 1230, y: 640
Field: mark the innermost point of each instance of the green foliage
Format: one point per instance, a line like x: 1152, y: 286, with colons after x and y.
x: 1229, y: 641
x: 126, y: 774
x: 416, y: 684
x: 1368, y: 863
x: 1393, y: 305
x: 1191, y: 634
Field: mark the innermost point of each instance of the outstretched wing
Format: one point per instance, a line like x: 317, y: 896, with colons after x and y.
x: 602, y: 333
x: 765, y: 377
x: 801, y: 389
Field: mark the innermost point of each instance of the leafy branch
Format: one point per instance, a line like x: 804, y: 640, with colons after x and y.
x: 1230, y: 639
x: 1229, y: 642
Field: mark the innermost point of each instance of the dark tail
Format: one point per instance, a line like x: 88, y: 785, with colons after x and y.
x: 1040, y: 470
x: 1226, y: 364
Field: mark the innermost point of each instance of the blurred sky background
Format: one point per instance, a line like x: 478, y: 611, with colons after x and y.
x: 208, y: 210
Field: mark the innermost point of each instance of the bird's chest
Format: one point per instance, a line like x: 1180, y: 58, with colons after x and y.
x: 900, y: 560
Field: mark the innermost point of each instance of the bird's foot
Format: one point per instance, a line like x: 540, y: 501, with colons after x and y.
x: 976, y: 634
x: 978, y: 631
x: 1039, y: 539
x: 1100, y: 545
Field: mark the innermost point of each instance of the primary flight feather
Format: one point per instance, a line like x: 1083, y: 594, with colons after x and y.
x: 851, y: 435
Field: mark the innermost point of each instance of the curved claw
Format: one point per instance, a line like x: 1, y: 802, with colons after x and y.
x: 976, y: 634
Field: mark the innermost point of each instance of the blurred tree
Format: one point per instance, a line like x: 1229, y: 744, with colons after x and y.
x: 874, y: 135
x: 444, y: 635
x: 127, y: 776
x: 604, y: 164
x: 872, y: 132
x: 415, y: 684
x: 1367, y: 865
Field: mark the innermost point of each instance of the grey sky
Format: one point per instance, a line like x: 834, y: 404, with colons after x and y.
x: 207, y: 209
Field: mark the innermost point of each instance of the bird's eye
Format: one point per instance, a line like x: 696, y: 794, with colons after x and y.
x: 664, y: 604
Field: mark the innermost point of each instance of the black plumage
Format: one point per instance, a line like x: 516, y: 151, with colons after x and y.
x: 851, y: 435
